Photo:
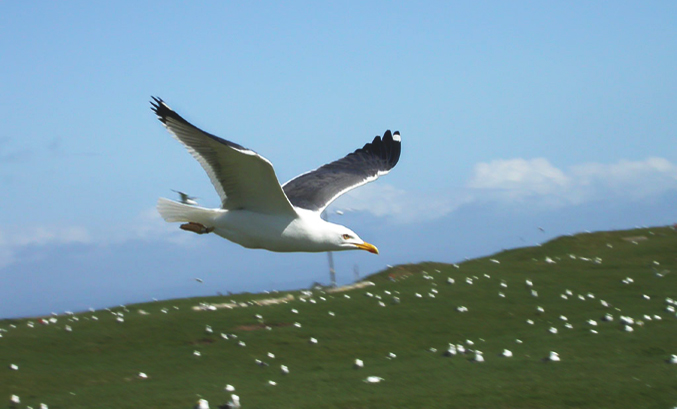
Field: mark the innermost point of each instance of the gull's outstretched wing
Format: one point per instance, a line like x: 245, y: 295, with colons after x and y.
x: 242, y: 178
x: 316, y: 189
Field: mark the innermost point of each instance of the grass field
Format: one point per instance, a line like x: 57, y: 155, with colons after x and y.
x: 96, y: 365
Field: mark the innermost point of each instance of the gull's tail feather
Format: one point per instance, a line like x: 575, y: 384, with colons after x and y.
x: 173, y: 211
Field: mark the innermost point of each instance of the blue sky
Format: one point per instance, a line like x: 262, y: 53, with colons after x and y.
x: 514, y: 116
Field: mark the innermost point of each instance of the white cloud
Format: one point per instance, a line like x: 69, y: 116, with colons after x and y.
x: 532, y: 182
x: 635, y: 180
x: 536, y: 175
x: 383, y: 200
x: 519, y: 178
x: 537, y: 179
x: 41, y: 235
x: 147, y: 226
x: 6, y: 256
x: 12, y: 239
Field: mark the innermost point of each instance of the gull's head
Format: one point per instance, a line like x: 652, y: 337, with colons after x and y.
x: 346, y: 239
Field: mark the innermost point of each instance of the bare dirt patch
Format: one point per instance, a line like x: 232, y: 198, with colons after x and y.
x: 256, y: 327
x: 203, y: 341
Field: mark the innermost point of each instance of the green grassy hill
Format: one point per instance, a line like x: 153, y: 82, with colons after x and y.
x: 96, y: 365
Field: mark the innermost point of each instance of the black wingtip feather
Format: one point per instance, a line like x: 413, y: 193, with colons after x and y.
x: 163, y: 111
x: 158, y: 106
x: 385, y: 148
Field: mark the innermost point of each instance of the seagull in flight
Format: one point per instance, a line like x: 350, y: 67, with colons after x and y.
x: 256, y: 211
x: 186, y: 199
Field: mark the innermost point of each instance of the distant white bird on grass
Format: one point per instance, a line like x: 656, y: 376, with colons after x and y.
x: 202, y: 404
x: 554, y: 357
x: 661, y: 274
x: 373, y: 379
x: 451, y: 351
x: 358, y: 364
x: 234, y: 402
x: 478, y: 356
x: 627, y: 320
x: 256, y: 211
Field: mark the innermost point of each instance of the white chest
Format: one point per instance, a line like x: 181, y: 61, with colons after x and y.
x: 270, y: 232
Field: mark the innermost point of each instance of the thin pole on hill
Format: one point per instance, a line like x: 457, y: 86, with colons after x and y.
x: 330, y: 255
x: 332, y: 272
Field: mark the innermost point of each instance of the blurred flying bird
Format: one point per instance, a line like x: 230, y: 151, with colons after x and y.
x: 185, y: 199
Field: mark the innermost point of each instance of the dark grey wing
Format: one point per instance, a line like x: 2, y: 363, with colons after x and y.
x: 242, y: 178
x: 316, y: 189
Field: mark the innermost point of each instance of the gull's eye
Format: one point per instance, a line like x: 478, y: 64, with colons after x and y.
x: 347, y: 237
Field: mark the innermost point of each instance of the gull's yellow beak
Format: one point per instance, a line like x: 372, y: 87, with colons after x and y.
x: 366, y: 246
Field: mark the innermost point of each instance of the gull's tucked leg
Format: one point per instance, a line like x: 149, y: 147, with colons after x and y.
x: 196, y: 228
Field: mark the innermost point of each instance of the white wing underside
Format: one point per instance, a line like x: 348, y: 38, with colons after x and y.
x: 242, y: 178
